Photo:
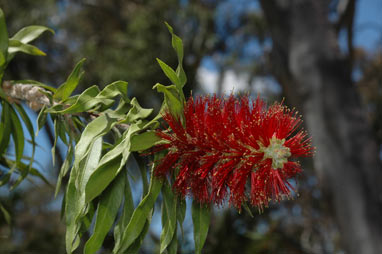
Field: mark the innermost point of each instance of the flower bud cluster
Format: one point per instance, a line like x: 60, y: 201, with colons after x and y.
x: 34, y: 96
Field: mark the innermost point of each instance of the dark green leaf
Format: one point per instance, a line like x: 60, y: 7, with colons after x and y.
x: 168, y: 217
x: 17, y: 134
x: 139, y: 218
x: 66, y: 89
x: 201, y: 221
x: 181, y: 213
x: 128, y: 209
x: 5, y: 127
x: 107, y: 210
x: 3, y: 43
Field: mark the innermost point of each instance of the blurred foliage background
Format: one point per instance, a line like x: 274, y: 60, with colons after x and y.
x: 227, y: 46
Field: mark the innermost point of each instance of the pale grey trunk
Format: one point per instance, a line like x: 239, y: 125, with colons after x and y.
x: 317, y: 79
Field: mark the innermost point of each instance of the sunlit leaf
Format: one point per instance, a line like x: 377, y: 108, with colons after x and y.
x: 29, y: 33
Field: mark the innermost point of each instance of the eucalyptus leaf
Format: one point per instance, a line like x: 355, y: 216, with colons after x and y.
x: 201, y: 220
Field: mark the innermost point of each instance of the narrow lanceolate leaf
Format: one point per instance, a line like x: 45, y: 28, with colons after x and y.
x: 139, y: 218
x: 178, y: 47
x: 168, y: 217
x: 75, y: 206
x: 65, y: 167
x: 29, y: 33
x: 170, y: 73
x: 109, y: 166
x: 107, y: 210
x: 128, y: 209
x: 17, y: 134
x: 5, y: 126
x: 201, y: 221
x: 3, y: 43
x: 41, y: 118
x: 181, y: 213
x: 66, y: 89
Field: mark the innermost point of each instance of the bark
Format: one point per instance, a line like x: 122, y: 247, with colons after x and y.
x: 317, y: 79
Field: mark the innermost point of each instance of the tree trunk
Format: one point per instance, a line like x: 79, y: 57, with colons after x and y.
x: 317, y: 79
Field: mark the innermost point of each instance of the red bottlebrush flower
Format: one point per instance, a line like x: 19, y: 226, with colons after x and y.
x: 232, y: 148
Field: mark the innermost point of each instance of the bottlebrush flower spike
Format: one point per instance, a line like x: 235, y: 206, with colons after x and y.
x: 233, y: 148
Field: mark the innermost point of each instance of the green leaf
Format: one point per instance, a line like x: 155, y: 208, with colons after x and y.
x: 29, y: 126
x: 201, y: 221
x: 87, y: 154
x: 170, y: 73
x: 3, y: 44
x: 171, y: 98
x: 114, y: 89
x: 29, y: 33
x: 136, y: 112
x: 41, y: 118
x: 17, y: 46
x: 66, y: 89
x: 168, y: 217
x: 139, y: 218
x: 53, y: 150
x: 181, y: 213
x: 17, y: 134
x: 128, y: 209
x: 84, y: 102
x: 65, y: 167
x: 107, y: 210
x: 144, y: 141
x: 178, y: 47
x: 5, y: 126
x: 109, y: 166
